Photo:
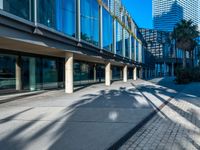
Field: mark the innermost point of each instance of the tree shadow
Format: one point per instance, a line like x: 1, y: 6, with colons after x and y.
x: 95, y: 119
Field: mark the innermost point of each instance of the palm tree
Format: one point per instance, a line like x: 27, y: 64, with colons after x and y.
x: 184, y: 34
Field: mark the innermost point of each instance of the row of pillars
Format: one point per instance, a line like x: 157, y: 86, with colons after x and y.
x: 69, y: 61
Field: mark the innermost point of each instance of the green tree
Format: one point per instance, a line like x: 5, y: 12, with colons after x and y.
x: 184, y: 34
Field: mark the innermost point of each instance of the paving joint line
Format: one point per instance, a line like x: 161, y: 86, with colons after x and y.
x: 142, y: 123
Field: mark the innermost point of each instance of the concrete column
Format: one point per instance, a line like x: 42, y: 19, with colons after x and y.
x: 95, y: 74
x: 125, y: 73
x: 1, y: 4
x: 107, y: 74
x: 172, y: 69
x: 32, y: 74
x: 69, y: 87
x: 135, y: 73
x: 18, y: 73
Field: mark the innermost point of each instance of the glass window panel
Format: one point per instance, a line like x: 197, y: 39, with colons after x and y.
x: 50, y: 74
x: 7, y: 71
x: 90, y: 21
x: 127, y: 52
x: 119, y: 39
x: 116, y: 73
x: 107, y: 30
x: 58, y: 14
x: 21, y: 8
x: 133, y: 47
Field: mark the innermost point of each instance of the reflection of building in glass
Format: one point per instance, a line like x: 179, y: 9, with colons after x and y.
x: 67, y: 43
x: 162, y: 49
x: 166, y: 13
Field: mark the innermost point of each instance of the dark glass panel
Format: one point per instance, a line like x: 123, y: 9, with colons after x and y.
x: 7, y: 71
x: 21, y: 8
x: 50, y: 74
x: 127, y: 52
x: 116, y: 73
x: 58, y: 14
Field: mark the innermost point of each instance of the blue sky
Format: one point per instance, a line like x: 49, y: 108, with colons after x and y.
x: 141, y: 11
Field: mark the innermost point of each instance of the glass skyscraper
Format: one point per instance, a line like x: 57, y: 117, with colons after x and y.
x: 166, y: 13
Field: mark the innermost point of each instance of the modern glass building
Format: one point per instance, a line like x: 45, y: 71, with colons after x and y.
x: 166, y: 13
x: 47, y: 44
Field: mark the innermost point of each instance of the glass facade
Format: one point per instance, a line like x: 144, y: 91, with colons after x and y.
x: 37, y: 72
x: 117, y: 73
x: 7, y: 71
x: 58, y: 14
x: 86, y: 73
x: 130, y: 73
x: 107, y: 31
x: 119, y: 39
x: 90, y: 21
x: 61, y: 16
x: 20, y: 8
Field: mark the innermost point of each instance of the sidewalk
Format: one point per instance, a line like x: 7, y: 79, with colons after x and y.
x: 92, y: 118
x: 176, y: 127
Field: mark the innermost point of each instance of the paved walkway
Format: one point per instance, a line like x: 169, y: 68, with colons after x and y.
x: 92, y: 118
x: 176, y: 127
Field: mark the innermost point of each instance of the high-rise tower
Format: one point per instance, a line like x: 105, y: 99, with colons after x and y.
x: 166, y: 13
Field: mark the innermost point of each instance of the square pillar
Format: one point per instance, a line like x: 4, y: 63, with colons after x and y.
x: 108, y: 74
x: 69, y: 59
x: 18, y: 72
x: 135, y: 73
x: 125, y: 73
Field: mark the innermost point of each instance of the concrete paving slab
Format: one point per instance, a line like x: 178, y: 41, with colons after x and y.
x: 92, y: 118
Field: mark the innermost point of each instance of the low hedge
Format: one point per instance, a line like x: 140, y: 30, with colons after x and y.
x: 186, y: 75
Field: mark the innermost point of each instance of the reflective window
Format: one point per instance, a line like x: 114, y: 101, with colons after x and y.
x: 50, y: 74
x: 130, y: 73
x: 7, y: 71
x: 58, y: 14
x: 119, y: 39
x: 127, y: 52
x: 21, y: 8
x: 116, y: 73
x: 90, y: 21
x: 133, y: 47
x: 107, y: 31
x: 137, y: 51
